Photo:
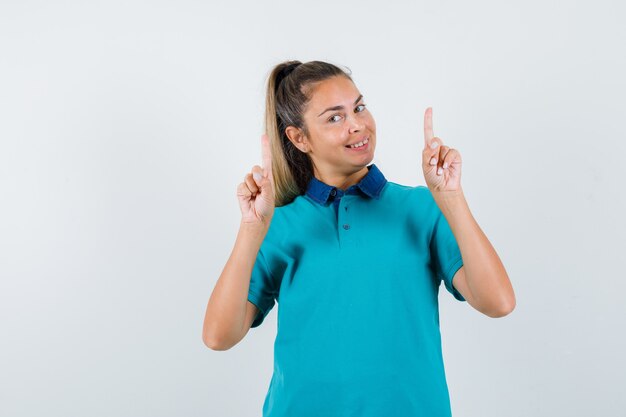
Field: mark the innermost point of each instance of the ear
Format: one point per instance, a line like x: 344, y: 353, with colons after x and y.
x: 298, y: 139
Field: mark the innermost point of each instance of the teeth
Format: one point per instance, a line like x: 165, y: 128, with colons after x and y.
x: 358, y: 145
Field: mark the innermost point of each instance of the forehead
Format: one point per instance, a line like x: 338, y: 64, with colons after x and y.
x: 332, y: 92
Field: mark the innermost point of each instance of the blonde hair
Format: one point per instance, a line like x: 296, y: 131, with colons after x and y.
x: 289, y: 88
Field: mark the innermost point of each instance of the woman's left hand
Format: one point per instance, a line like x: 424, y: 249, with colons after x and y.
x: 441, y: 164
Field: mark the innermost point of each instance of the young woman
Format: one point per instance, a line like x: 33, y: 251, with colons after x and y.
x: 355, y: 261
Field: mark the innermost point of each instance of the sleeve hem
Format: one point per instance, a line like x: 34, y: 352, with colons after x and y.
x: 452, y: 269
x: 256, y: 299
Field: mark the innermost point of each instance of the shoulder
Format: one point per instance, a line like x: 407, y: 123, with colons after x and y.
x: 394, y: 187
x: 417, y: 193
x: 295, y: 206
x: 415, y: 202
x: 288, y: 216
x: 289, y: 228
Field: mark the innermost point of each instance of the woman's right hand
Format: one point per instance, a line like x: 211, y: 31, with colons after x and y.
x: 256, y: 193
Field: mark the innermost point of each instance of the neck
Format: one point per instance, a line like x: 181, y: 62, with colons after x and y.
x: 341, y: 180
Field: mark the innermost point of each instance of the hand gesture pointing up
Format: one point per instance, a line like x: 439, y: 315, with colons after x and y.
x: 256, y: 193
x: 441, y: 164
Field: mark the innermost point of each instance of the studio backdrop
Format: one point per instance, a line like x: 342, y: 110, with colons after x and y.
x: 125, y: 128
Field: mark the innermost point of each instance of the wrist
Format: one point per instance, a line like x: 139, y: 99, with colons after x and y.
x: 259, y: 227
x: 448, y: 195
x: 449, y: 201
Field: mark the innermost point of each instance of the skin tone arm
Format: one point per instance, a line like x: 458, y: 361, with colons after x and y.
x: 227, y: 310
x: 229, y: 314
x: 482, y: 280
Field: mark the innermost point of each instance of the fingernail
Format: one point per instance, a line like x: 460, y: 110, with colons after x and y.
x: 433, y: 161
x: 257, y: 176
x: 445, y: 165
x: 439, y: 171
x: 434, y: 144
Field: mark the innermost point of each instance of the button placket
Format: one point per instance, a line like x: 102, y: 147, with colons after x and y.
x: 344, y: 220
x: 344, y: 225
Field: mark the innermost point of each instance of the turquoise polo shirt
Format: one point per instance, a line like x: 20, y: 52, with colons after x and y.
x: 356, y: 276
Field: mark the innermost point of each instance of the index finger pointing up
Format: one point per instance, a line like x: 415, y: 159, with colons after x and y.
x: 266, y: 154
x: 428, y: 126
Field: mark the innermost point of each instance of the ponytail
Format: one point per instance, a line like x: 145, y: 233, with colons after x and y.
x: 287, y: 95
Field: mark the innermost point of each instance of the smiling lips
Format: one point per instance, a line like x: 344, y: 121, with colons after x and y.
x: 359, y: 145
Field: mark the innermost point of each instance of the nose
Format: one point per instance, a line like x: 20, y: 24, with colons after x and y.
x: 356, y: 124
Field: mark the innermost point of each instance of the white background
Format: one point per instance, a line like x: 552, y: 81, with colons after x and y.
x: 125, y: 127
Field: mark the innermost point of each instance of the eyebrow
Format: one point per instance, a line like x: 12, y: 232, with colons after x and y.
x: 340, y: 107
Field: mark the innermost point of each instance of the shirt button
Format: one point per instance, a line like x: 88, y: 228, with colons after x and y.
x: 333, y: 192
x: 346, y: 226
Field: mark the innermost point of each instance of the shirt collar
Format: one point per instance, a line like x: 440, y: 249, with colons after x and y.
x: 371, y: 185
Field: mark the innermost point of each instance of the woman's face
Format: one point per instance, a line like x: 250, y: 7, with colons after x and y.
x: 336, y: 117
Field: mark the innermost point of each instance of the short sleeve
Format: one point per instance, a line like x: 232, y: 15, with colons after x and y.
x: 445, y: 253
x: 262, y: 291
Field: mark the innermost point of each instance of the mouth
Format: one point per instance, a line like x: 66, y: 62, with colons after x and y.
x: 359, y: 145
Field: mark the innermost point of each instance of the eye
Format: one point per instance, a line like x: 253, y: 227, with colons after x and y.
x: 330, y: 119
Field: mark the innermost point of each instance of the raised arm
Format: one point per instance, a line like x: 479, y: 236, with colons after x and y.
x: 228, y: 310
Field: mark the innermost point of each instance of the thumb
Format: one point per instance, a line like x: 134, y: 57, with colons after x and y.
x: 262, y: 179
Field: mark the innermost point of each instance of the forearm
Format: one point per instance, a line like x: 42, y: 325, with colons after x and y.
x: 226, y: 309
x: 485, y: 274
